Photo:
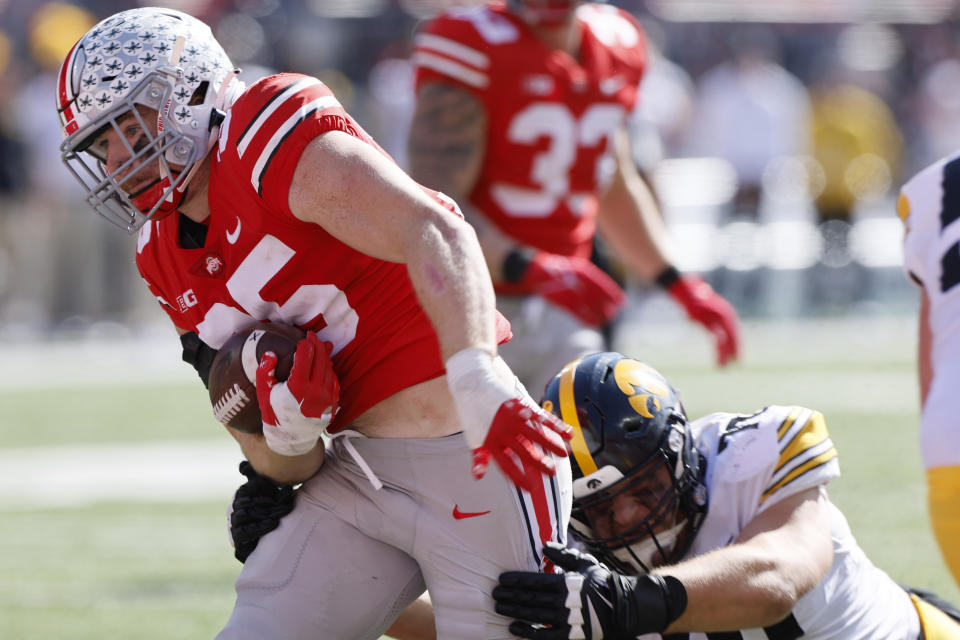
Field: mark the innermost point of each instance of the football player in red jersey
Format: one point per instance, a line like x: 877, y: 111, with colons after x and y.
x: 520, y: 117
x: 271, y: 203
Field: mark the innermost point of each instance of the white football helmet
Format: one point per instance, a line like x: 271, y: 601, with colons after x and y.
x: 157, y: 58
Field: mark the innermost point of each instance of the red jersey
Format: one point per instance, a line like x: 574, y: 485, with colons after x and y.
x: 550, y: 117
x: 259, y: 262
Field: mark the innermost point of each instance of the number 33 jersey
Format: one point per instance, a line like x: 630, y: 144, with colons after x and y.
x: 550, y: 117
x: 258, y: 262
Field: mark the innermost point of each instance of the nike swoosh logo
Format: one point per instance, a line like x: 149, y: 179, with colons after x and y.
x: 460, y: 515
x: 232, y: 236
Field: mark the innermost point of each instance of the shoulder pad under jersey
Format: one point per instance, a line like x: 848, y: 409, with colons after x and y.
x: 927, y: 204
x: 458, y: 46
x: 272, y: 121
x: 788, y: 448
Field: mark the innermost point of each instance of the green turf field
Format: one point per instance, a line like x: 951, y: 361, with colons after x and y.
x: 164, y: 569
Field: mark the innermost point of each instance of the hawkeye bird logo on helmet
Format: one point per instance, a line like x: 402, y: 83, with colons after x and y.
x: 629, y: 425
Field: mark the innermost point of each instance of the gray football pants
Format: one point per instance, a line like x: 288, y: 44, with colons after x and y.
x: 350, y: 558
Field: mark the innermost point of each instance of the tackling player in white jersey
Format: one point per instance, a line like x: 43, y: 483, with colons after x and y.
x: 929, y: 205
x: 723, y: 525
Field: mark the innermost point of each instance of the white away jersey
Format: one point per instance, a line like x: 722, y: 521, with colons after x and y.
x: 754, y: 461
x: 929, y: 206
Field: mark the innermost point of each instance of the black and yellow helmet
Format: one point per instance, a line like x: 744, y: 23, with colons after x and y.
x: 628, y: 423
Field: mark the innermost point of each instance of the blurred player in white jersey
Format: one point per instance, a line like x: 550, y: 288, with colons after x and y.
x: 521, y: 117
x: 929, y: 206
x: 270, y: 203
x: 720, y: 528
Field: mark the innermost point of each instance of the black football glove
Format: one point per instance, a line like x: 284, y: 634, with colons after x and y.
x: 258, y: 506
x: 198, y: 354
x: 587, y: 600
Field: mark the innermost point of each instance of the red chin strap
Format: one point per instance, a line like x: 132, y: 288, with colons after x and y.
x: 146, y: 199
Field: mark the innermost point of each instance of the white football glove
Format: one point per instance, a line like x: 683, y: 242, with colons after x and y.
x: 295, y: 412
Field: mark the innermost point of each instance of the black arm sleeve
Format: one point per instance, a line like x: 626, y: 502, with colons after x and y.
x: 198, y: 354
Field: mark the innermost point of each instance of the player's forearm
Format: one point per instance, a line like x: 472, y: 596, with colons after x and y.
x: 629, y: 220
x: 494, y: 244
x: 453, y: 285
x: 733, y: 588
x: 283, y: 470
x: 780, y: 555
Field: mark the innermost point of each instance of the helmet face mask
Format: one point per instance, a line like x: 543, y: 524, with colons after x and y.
x: 160, y: 59
x: 656, y: 521
x: 110, y: 193
x: 632, y: 451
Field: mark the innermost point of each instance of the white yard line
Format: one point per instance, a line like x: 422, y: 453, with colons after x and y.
x: 207, y: 469
x: 38, y: 364
x: 66, y: 476
x: 73, y: 475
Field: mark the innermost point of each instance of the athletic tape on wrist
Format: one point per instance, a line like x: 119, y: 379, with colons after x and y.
x: 478, y: 390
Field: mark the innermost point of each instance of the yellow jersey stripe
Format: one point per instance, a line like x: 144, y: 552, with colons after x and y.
x: 943, y: 488
x: 791, y: 418
x: 809, y: 465
x: 568, y: 412
x: 903, y: 207
x: 810, y: 434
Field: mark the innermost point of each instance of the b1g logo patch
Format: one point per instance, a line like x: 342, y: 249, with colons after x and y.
x: 186, y: 300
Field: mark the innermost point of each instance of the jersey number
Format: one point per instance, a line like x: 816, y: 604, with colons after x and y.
x: 949, y: 212
x: 305, y: 304
x: 738, y: 424
x: 551, y: 168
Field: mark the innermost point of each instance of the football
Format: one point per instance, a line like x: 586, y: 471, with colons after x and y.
x: 233, y: 374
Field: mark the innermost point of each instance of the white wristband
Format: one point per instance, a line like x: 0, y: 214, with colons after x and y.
x: 295, y: 433
x: 478, y: 390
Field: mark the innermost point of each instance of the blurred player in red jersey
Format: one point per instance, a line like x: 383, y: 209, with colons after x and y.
x: 271, y: 203
x: 521, y: 117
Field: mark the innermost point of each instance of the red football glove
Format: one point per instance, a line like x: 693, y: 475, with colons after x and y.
x: 575, y: 284
x: 706, y: 306
x: 296, y: 412
x: 525, y: 432
x: 501, y: 424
